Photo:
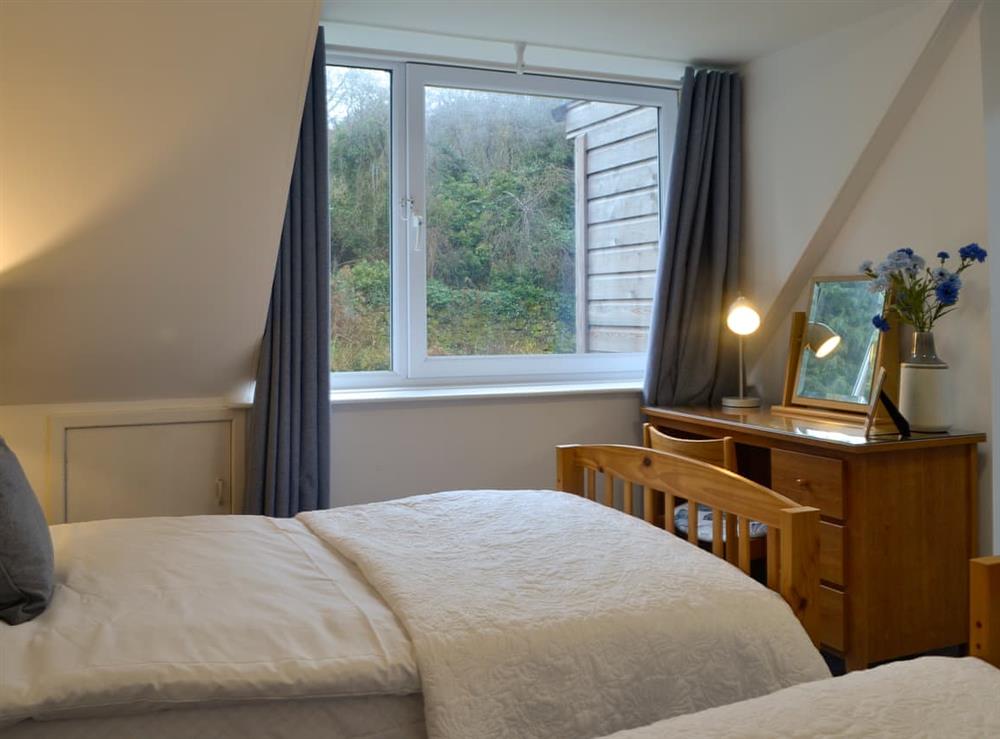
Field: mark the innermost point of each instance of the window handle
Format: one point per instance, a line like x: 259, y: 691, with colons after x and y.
x: 418, y: 224
x: 414, y: 220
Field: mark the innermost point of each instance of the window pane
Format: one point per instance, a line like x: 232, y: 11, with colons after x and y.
x: 502, y: 208
x: 358, y: 114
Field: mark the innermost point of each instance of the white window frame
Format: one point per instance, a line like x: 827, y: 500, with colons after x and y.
x: 408, y: 331
x: 399, y: 279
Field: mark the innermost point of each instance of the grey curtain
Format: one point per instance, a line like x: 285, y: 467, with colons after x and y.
x: 691, y: 354
x: 290, y: 423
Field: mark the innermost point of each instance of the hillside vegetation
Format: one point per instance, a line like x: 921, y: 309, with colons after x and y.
x: 499, y: 236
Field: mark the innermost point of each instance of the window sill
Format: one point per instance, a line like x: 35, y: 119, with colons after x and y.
x: 482, y: 392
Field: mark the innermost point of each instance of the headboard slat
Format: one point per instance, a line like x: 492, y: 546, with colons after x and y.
x: 692, y: 520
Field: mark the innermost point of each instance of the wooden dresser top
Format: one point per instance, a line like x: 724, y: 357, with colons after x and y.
x: 841, y: 436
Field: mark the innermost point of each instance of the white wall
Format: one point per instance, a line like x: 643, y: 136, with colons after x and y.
x: 388, y: 450
x: 810, y: 111
x: 990, y: 45
x: 930, y: 194
x: 145, y: 152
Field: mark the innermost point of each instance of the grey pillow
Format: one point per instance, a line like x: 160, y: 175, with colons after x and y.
x: 26, y: 562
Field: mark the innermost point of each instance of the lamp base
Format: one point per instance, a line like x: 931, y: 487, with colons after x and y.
x: 733, y: 401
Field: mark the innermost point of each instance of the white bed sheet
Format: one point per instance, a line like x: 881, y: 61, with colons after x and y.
x: 198, y: 611
x: 928, y: 697
x: 373, y: 717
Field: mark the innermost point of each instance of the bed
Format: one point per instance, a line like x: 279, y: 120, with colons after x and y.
x: 457, y: 614
x: 929, y: 696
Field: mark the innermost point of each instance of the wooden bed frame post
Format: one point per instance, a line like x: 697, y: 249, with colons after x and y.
x: 799, y: 583
x: 569, y: 475
x: 984, y: 609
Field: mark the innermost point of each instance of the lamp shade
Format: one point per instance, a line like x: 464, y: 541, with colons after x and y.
x: 742, y: 318
x: 822, y: 339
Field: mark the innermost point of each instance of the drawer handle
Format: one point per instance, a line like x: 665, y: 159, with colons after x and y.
x: 802, y: 482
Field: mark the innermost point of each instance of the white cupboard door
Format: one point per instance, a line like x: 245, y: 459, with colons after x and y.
x: 167, y: 469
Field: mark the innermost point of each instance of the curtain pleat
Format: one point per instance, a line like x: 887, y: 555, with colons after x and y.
x: 691, y: 356
x: 289, y: 447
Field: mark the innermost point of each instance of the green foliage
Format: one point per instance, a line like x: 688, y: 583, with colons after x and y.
x: 499, y: 239
x: 359, y: 300
x: 359, y: 164
x: 518, y: 318
x: 500, y: 225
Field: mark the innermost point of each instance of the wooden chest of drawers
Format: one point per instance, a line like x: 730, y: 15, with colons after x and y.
x: 897, y: 529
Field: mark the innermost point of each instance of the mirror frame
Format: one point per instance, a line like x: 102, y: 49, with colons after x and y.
x: 886, y: 355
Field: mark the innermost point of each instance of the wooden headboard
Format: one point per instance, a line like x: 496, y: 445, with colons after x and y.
x: 984, y: 609
x: 793, y: 530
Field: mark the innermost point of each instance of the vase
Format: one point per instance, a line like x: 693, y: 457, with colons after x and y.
x: 924, y: 387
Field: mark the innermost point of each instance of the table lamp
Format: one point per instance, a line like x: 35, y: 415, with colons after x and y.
x: 821, y: 339
x: 742, y: 319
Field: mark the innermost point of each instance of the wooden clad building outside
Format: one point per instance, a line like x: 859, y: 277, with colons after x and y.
x: 618, y: 225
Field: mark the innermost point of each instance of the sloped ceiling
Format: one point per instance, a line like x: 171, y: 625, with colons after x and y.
x: 145, y: 155
x: 722, y: 31
x: 820, y: 119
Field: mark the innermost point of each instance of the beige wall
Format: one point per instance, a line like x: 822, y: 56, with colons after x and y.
x: 29, y: 430
x: 145, y: 153
x: 389, y: 450
x: 810, y: 111
x: 142, y: 190
x: 145, y: 162
x: 929, y: 193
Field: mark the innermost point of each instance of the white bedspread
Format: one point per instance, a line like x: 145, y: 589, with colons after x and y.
x: 199, y: 611
x: 927, y: 697
x: 540, y: 614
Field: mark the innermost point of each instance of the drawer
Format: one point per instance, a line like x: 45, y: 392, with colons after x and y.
x: 831, y: 616
x: 831, y: 552
x: 809, y: 480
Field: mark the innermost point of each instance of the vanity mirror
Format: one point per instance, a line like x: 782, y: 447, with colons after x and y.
x: 835, y: 350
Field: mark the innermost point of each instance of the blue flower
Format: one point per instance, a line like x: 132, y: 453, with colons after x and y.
x: 972, y: 253
x: 866, y: 266
x: 901, y: 260
x: 892, y: 263
x: 880, y: 323
x: 947, y: 291
x: 943, y: 255
x: 940, y: 274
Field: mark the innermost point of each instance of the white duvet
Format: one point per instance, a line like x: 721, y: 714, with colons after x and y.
x: 514, y: 613
x: 927, y: 697
x: 541, y: 614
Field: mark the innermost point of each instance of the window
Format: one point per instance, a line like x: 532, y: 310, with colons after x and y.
x: 359, y: 121
x: 489, y: 226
